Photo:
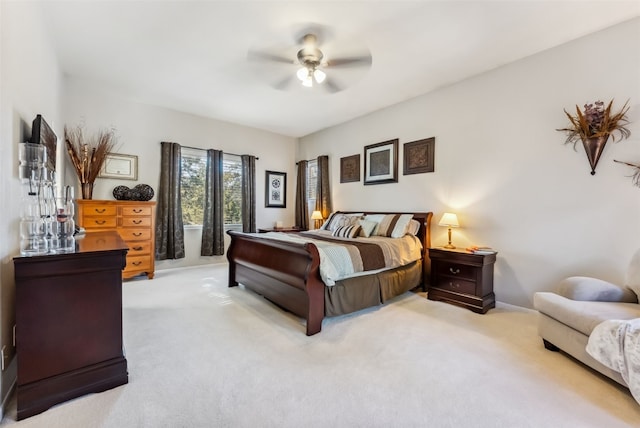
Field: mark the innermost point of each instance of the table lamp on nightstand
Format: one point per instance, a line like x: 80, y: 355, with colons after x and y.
x: 317, y: 217
x: 449, y: 220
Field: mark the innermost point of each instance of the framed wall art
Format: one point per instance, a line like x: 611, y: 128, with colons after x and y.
x: 350, y: 169
x: 115, y: 165
x: 381, y: 162
x: 419, y: 156
x: 276, y: 189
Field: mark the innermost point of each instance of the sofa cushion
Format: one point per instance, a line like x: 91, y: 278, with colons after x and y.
x: 593, y: 289
x: 580, y: 315
x: 632, y: 279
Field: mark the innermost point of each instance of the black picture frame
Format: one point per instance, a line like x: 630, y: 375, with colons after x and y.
x: 418, y: 156
x: 350, y: 169
x: 275, y: 195
x: 381, y: 162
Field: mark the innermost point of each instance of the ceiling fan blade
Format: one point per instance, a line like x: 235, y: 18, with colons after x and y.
x: 285, y: 83
x: 264, y: 56
x: 354, y: 61
x: 330, y: 85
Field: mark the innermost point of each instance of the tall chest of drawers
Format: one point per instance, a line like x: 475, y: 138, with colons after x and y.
x: 133, y: 220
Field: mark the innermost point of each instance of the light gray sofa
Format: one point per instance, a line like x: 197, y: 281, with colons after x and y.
x: 568, y: 316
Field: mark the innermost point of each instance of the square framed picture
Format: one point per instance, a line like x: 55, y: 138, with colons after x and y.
x: 276, y: 189
x: 419, y: 156
x: 381, y: 162
x: 350, y: 169
x: 119, y: 166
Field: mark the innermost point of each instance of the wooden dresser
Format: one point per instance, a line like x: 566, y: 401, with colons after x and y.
x: 69, y: 323
x: 133, y: 220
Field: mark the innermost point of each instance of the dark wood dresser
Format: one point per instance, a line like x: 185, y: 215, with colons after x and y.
x: 462, y: 278
x: 69, y: 323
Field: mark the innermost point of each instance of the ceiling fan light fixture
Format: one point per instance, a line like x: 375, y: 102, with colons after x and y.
x: 303, y: 74
x: 308, y: 82
x: 319, y: 75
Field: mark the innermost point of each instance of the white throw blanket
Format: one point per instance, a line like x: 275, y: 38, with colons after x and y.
x: 616, y: 344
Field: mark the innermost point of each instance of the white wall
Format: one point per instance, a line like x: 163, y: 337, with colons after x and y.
x: 29, y: 85
x: 140, y: 129
x: 502, y: 167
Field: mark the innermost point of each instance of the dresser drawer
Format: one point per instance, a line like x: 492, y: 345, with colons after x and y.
x: 135, y: 234
x: 90, y: 222
x: 456, y: 285
x: 136, y: 221
x: 457, y: 270
x: 99, y: 210
x: 136, y: 211
x: 139, y: 248
x: 138, y: 263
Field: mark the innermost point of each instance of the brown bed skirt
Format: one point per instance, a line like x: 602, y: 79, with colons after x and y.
x: 353, y: 294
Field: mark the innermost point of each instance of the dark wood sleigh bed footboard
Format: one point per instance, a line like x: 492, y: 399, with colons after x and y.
x: 288, y: 273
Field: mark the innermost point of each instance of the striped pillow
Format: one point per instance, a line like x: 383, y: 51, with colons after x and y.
x: 347, y: 231
x: 393, y: 225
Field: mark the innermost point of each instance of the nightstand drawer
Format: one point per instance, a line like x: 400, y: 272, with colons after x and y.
x: 136, y: 221
x: 457, y: 270
x: 135, y: 234
x: 99, y: 222
x: 456, y: 285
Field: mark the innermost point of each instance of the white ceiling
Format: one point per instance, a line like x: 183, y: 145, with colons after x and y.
x: 192, y: 55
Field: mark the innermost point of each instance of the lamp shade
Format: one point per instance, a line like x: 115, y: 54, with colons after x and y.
x: 449, y: 220
x: 316, y: 215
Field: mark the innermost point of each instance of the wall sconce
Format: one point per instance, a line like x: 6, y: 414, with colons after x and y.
x: 449, y: 220
x: 317, y: 216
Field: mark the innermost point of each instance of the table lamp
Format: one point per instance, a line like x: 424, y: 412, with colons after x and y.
x: 449, y: 220
x: 317, y: 216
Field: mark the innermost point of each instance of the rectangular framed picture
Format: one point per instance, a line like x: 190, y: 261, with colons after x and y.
x: 381, y: 162
x: 419, y: 156
x: 276, y: 189
x: 119, y: 166
x: 350, y: 169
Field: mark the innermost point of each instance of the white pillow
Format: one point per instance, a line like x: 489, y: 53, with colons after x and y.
x: 366, y: 227
x: 632, y: 279
x: 414, y: 227
x: 340, y: 219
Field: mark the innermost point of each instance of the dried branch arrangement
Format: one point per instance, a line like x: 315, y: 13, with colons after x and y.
x: 635, y: 178
x: 596, y: 121
x: 88, y: 156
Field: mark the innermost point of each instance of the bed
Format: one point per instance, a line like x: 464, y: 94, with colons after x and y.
x: 286, y: 271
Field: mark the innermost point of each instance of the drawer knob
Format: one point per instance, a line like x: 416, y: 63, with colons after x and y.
x: 137, y: 221
x: 101, y: 221
x: 137, y: 248
x: 137, y: 233
x: 137, y: 210
x: 100, y: 210
x: 136, y: 263
x: 454, y: 285
x: 454, y: 271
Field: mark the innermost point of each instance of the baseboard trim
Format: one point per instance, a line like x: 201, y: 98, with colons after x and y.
x: 9, y: 377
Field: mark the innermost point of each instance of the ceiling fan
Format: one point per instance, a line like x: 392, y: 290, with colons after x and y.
x: 312, y: 66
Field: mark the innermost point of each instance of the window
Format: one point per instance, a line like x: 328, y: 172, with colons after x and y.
x: 312, y: 180
x: 192, y: 182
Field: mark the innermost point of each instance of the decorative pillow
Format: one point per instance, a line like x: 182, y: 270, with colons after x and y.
x: 393, y: 225
x: 414, y: 227
x: 339, y: 219
x: 347, y: 231
x: 632, y: 278
x: 366, y: 227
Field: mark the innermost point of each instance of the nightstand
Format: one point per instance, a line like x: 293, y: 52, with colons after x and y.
x: 462, y: 278
x: 280, y: 229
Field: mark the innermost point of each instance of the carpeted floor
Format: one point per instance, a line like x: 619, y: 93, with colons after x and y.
x: 203, y: 355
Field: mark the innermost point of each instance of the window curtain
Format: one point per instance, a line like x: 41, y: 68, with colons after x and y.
x: 248, y: 193
x: 301, y: 210
x: 213, y: 221
x: 169, y: 227
x: 323, y: 194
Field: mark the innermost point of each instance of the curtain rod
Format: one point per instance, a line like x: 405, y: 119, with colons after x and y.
x: 204, y: 150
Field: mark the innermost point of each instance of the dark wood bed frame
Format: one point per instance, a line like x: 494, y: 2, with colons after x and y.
x: 288, y: 273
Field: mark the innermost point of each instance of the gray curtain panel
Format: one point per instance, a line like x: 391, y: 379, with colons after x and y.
x: 169, y: 227
x: 248, y: 193
x: 213, y: 221
x: 302, y: 206
x: 323, y: 194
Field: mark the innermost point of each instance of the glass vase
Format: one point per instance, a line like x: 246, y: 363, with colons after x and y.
x: 87, y: 190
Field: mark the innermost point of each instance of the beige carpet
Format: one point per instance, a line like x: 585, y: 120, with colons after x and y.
x: 203, y: 355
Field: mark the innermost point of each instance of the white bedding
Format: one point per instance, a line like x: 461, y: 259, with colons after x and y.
x: 616, y: 344
x: 339, y: 261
